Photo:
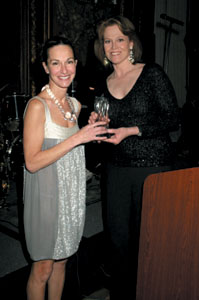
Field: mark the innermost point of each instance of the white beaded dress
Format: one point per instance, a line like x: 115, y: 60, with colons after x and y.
x: 54, y: 198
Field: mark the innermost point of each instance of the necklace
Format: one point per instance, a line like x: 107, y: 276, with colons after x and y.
x: 68, y: 116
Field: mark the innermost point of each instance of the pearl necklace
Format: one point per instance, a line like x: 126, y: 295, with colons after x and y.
x: 68, y: 116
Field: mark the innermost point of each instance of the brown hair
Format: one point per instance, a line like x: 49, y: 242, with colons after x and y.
x: 126, y: 27
x: 54, y: 41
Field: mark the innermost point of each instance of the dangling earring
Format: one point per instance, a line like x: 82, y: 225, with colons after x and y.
x: 106, y: 62
x: 131, y: 56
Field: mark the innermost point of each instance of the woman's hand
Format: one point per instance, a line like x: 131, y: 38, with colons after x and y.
x: 116, y: 135
x: 93, y: 117
x: 119, y: 134
x: 92, y: 132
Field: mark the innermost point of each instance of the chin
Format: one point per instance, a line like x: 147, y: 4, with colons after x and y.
x: 65, y: 84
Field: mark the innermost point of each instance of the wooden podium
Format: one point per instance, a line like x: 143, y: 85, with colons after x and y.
x: 168, y: 267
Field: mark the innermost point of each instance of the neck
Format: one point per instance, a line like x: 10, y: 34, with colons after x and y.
x: 67, y: 115
x: 60, y: 93
x: 122, y: 69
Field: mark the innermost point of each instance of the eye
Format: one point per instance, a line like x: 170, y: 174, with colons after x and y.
x: 54, y: 63
x: 120, y: 39
x: 71, y: 61
x: 106, y: 41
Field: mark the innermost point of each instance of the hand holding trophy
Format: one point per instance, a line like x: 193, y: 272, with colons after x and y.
x: 101, y: 107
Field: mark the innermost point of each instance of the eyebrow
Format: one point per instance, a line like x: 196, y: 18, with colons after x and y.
x: 51, y: 59
x: 120, y: 36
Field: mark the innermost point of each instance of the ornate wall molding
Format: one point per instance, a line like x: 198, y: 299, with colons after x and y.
x: 77, y: 19
x: 33, y: 29
x: 39, y: 15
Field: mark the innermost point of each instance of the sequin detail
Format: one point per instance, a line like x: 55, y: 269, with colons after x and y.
x: 151, y: 105
x: 54, y: 198
x: 71, y: 209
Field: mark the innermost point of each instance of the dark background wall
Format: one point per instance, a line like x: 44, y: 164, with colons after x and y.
x: 26, y: 24
x: 29, y: 22
x: 10, y: 44
x: 25, y: 27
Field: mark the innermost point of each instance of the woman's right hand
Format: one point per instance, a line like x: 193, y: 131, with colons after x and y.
x: 92, y: 131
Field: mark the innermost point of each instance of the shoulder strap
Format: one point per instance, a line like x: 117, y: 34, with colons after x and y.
x: 75, y: 104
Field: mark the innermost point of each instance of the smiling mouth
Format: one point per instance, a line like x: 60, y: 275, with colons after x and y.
x: 64, y: 77
x: 115, y: 53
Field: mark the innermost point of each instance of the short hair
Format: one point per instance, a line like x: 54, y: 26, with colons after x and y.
x: 54, y: 41
x: 126, y: 27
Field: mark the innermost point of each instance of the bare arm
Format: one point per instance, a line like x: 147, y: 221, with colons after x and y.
x: 33, y: 137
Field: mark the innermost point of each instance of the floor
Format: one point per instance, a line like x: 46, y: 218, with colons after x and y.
x: 86, y: 277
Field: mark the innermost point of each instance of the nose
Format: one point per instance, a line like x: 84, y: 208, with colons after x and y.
x: 63, y: 68
x: 114, y: 45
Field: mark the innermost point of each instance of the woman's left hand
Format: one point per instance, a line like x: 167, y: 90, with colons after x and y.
x: 116, y: 135
x: 119, y: 134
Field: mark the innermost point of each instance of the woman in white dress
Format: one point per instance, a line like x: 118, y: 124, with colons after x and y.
x: 54, y: 177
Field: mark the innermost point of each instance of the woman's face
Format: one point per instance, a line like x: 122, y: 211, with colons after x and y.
x: 61, y: 65
x: 116, y: 44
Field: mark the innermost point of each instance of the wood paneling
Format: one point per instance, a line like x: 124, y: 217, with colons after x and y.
x: 169, y: 242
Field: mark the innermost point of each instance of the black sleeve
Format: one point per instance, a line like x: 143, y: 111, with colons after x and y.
x: 165, y: 116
